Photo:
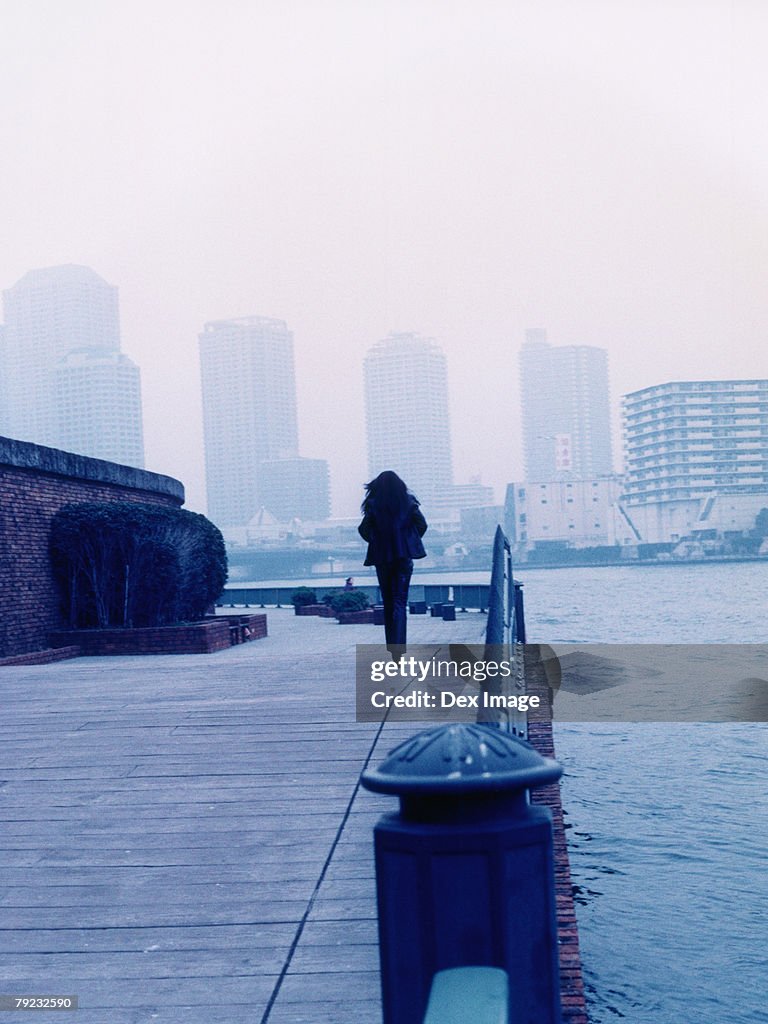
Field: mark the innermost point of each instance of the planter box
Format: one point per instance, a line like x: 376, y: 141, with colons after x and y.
x: 417, y: 607
x: 436, y: 610
x: 356, y: 618
x: 214, y: 634
x: 378, y: 615
x: 449, y: 613
x: 243, y: 628
x: 324, y: 611
x: 44, y: 657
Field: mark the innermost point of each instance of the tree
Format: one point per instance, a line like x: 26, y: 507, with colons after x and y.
x: 129, y: 564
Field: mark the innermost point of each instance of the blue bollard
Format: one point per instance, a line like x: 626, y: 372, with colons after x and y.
x: 465, y: 870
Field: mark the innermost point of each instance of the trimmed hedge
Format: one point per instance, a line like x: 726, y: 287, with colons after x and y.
x: 126, y: 564
x: 348, y: 601
x: 303, y: 596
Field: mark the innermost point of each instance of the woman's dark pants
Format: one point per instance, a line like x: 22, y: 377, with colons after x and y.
x: 394, y: 580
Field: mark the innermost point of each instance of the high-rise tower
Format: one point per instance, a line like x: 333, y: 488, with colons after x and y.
x: 406, y: 411
x: 48, y: 313
x: 98, y: 394
x: 565, y: 410
x: 249, y: 410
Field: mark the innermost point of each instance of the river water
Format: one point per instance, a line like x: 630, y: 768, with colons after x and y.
x: 668, y: 823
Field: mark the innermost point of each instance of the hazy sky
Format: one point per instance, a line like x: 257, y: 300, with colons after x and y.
x: 461, y: 169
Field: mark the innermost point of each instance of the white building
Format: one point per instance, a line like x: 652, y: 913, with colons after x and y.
x: 98, y: 394
x: 406, y: 412
x: 565, y: 406
x: 446, y: 510
x: 49, y: 314
x: 249, y: 410
x: 696, y: 458
x: 578, y: 513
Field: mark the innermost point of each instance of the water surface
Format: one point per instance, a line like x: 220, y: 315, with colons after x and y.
x: 668, y: 823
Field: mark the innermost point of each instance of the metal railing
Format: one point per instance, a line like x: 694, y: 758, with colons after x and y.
x: 506, y: 618
x: 464, y: 595
x: 505, y: 630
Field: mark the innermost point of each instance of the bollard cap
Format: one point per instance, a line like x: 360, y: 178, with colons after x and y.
x: 461, y: 758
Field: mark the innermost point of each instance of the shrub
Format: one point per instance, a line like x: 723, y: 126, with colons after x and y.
x: 126, y: 564
x: 349, y: 601
x: 302, y: 596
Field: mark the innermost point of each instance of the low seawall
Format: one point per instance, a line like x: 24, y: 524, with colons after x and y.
x: 34, y: 484
x: 540, y: 736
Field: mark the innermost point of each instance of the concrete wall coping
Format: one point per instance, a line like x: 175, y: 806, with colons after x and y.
x: 25, y: 455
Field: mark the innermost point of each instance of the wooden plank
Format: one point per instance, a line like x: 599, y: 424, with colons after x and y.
x: 168, y: 824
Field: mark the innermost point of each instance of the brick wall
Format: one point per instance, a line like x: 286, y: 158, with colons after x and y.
x: 540, y: 736
x: 34, y: 483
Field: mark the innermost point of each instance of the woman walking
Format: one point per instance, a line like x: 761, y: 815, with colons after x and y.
x: 393, y: 526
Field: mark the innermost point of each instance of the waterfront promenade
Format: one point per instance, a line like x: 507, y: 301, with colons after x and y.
x: 184, y: 837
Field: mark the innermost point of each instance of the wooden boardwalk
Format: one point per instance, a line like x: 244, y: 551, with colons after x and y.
x: 184, y: 838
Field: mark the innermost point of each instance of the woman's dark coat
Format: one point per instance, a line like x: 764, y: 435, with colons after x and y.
x: 390, y: 540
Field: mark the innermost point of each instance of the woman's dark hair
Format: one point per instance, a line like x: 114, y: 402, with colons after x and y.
x: 389, y: 494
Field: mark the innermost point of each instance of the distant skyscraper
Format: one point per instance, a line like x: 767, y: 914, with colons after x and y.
x: 98, y: 394
x: 249, y: 410
x: 406, y: 411
x: 565, y: 410
x: 50, y: 314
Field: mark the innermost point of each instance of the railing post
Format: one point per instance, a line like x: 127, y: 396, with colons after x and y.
x: 465, y: 870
